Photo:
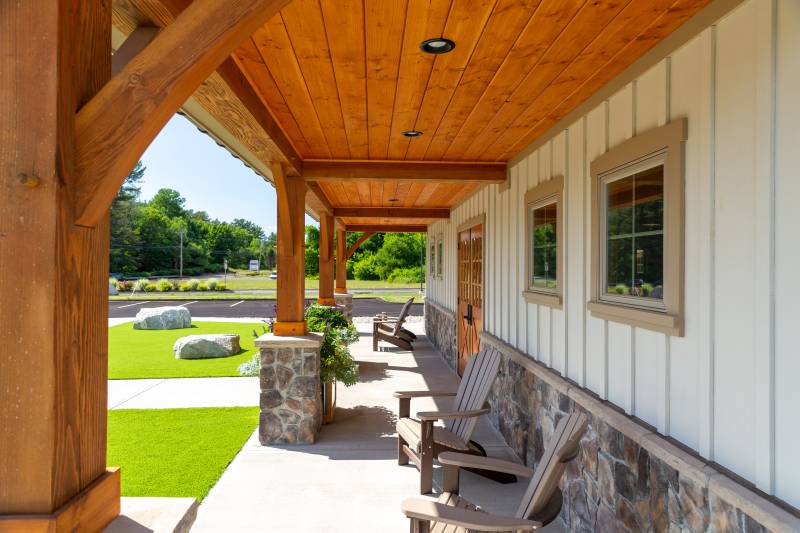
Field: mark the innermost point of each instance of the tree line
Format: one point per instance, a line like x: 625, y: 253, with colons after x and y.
x: 147, y: 238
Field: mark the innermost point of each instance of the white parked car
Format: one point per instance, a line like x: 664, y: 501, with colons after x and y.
x: 274, y: 275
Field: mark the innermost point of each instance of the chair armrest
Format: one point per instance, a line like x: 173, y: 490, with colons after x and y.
x: 464, y: 460
x: 431, y: 510
x: 422, y: 393
x: 449, y: 415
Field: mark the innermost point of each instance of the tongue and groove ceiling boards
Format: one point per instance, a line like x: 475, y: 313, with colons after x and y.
x: 343, y: 79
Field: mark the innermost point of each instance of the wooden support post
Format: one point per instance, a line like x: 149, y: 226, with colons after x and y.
x: 291, y: 192
x: 341, y: 259
x: 54, y: 275
x: 326, y: 260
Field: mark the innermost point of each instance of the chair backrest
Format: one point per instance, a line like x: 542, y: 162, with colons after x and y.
x: 401, y: 318
x: 562, y: 448
x: 475, y: 384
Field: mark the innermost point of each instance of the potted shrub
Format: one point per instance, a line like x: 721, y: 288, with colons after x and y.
x: 336, y: 362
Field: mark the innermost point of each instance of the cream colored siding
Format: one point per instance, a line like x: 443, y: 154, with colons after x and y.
x: 730, y: 387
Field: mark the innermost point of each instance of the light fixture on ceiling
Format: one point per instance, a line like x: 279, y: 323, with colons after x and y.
x: 412, y: 133
x: 439, y: 45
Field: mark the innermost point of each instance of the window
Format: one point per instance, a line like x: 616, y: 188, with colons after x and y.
x: 637, y: 237
x: 439, y: 256
x: 543, y: 237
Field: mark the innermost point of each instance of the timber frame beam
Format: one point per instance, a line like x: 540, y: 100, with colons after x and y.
x: 387, y: 228
x: 392, y: 212
x: 115, y: 127
x: 417, y: 171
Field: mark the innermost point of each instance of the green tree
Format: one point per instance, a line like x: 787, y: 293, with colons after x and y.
x: 312, y: 251
x: 125, y: 242
x: 170, y: 202
x: 399, y: 251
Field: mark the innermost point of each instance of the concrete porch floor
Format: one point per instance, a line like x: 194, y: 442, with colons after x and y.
x: 349, y: 480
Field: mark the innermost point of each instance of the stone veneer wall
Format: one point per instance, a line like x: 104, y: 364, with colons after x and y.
x: 626, y: 478
x: 440, y: 328
x: 345, y: 302
x: 291, y: 395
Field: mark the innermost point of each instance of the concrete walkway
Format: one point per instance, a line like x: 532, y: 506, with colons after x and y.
x: 349, y: 480
x: 182, y: 392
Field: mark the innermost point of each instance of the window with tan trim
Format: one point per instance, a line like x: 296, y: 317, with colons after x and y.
x: 544, y: 244
x: 440, y: 256
x: 637, y: 231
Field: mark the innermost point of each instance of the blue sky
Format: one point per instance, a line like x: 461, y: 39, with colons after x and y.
x: 208, y: 176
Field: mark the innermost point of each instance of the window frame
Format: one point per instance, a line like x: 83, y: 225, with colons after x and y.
x: 547, y: 192
x: 440, y: 256
x: 617, y: 163
x: 635, y: 167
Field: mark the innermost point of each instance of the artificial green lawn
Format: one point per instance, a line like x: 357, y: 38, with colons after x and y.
x: 176, y: 452
x: 135, y: 354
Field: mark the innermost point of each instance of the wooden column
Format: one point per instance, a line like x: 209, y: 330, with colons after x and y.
x: 291, y: 192
x: 326, y: 260
x: 341, y: 259
x: 53, y: 275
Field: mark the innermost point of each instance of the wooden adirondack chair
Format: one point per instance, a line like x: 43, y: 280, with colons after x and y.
x: 420, y: 441
x: 391, y: 330
x: 539, y: 506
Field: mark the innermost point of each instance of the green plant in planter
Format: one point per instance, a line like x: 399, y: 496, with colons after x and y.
x: 336, y: 362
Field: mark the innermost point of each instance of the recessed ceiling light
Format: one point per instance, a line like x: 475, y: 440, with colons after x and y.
x: 440, y: 45
x: 411, y: 133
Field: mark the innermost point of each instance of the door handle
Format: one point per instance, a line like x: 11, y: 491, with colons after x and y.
x: 468, y: 316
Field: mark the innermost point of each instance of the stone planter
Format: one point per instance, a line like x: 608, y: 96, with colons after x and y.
x: 328, y: 402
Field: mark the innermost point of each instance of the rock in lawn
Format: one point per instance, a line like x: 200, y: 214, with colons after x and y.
x: 162, y: 318
x: 206, y: 346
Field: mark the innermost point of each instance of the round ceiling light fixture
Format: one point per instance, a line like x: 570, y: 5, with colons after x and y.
x: 439, y: 45
x: 412, y: 133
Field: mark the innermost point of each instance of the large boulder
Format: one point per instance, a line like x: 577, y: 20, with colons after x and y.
x: 162, y: 318
x: 206, y: 346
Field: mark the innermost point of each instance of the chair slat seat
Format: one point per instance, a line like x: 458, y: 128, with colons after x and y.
x: 453, y: 500
x: 542, y: 501
x: 392, y: 331
x: 410, y: 430
x: 468, y: 405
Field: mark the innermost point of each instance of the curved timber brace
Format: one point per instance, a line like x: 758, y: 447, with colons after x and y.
x: 115, y: 127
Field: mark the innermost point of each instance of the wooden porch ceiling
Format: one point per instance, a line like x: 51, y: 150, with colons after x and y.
x: 340, y: 80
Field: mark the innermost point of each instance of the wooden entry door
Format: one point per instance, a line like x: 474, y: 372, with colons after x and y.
x: 470, y: 293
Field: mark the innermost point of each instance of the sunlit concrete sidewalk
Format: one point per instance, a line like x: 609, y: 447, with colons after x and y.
x: 349, y: 480
x: 182, y: 392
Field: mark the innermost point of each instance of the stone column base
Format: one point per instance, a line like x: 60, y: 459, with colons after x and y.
x: 291, y: 394
x: 345, y: 301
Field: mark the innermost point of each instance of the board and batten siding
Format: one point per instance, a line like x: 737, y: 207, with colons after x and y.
x: 730, y: 387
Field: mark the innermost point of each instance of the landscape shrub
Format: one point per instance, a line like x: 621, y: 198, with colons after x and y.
x: 193, y: 283
x: 150, y: 287
x: 647, y: 289
x: 406, y: 275
x: 251, y: 367
x: 221, y: 287
x: 140, y: 284
x: 184, y: 287
x: 124, y: 286
x: 336, y: 362
x: 164, y: 285
x: 113, y: 281
x: 212, y: 284
x: 202, y: 287
x: 621, y: 288
x: 366, y: 268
